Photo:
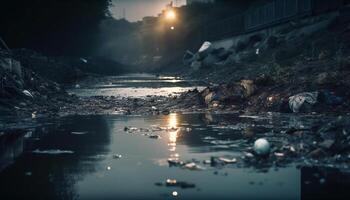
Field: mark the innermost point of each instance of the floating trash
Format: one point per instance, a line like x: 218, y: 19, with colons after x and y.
x: 175, y: 163
x: 262, y: 147
x: 175, y: 183
x: 154, y: 137
x: 279, y: 154
x: 117, y: 156
x: 221, y: 161
x: 174, y: 194
x: 193, y: 166
x: 108, y: 168
x: 228, y: 160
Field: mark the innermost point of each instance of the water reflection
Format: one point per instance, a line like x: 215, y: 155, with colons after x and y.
x: 91, y: 172
x: 173, y: 131
x: 135, y: 85
x: 53, y: 176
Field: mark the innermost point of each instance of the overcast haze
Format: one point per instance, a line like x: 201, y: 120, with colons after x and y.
x: 137, y: 9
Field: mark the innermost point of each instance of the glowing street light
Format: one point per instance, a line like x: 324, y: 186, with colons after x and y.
x: 170, y: 15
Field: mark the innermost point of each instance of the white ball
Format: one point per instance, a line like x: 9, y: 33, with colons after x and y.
x: 262, y: 146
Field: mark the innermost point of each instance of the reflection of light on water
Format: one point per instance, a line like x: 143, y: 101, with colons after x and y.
x: 173, y: 137
x: 172, y: 121
x: 173, y: 132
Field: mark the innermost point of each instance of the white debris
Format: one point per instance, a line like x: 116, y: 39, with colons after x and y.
x: 34, y: 115
x: 83, y: 60
x: 117, y: 156
x: 262, y: 147
x: 227, y: 160
x: 193, y: 166
x: 297, y: 101
x: 205, y: 46
x: 27, y: 93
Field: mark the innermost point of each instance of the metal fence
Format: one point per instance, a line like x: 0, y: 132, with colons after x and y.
x: 269, y: 14
x: 274, y: 12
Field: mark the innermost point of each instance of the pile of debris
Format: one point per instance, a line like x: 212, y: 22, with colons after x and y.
x: 20, y: 87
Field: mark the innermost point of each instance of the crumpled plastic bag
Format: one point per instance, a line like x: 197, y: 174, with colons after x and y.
x: 297, y: 101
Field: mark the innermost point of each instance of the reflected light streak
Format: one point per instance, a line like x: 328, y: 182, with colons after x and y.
x: 173, y: 131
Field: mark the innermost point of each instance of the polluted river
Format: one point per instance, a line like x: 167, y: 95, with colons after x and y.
x: 177, y: 155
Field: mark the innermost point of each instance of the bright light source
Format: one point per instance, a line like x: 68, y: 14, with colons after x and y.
x: 170, y: 15
x: 172, y: 28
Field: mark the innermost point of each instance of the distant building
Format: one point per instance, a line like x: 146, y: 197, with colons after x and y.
x: 189, y: 2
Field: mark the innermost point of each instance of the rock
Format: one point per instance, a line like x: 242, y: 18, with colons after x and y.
x: 327, y: 144
x: 188, y: 58
x: 300, y: 101
x: 261, y: 147
x: 208, y: 98
x: 196, y: 65
x: 330, y: 99
x: 210, y: 60
x: 263, y: 80
x: 315, y: 153
x: 272, y: 42
x: 249, y: 87
x: 325, y: 78
x: 175, y: 163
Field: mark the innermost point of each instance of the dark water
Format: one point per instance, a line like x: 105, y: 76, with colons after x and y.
x: 72, y: 158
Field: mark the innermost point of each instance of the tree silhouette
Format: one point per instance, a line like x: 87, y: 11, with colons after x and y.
x: 59, y: 27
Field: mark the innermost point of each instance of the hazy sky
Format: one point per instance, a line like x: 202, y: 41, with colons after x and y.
x: 137, y: 9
